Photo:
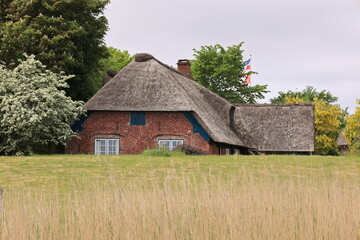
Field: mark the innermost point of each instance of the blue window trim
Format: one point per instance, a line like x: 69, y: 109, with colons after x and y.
x: 137, y: 118
x: 78, y: 125
x: 197, y: 127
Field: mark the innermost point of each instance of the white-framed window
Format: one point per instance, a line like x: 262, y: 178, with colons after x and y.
x: 170, y: 144
x: 106, y: 146
x: 227, y: 151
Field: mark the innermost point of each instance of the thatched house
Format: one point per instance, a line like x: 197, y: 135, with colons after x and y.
x: 149, y: 105
x: 342, y: 143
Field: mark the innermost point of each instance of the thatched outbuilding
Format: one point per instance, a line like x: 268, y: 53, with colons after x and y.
x: 149, y: 104
x: 342, y: 143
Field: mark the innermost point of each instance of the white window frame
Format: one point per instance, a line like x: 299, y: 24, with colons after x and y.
x: 227, y: 151
x: 170, y: 142
x: 106, y: 146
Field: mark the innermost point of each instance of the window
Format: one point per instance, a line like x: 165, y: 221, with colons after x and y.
x: 137, y: 118
x: 227, y: 151
x: 170, y: 144
x: 106, y: 146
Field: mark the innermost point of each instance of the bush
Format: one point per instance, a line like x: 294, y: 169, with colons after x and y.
x: 162, y: 153
x: 188, y: 150
x: 35, y: 112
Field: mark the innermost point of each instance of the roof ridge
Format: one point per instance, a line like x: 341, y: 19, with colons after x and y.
x: 270, y: 104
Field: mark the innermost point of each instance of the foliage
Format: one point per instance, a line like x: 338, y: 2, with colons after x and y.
x: 189, y: 150
x: 161, y: 153
x: 308, y: 95
x: 221, y: 71
x: 327, y: 125
x: 65, y: 35
x: 34, y: 112
x: 116, y: 59
x: 352, y: 130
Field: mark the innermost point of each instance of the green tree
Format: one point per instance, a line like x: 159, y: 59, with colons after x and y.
x: 308, y: 95
x: 65, y: 35
x: 352, y: 130
x: 34, y: 112
x: 3, y: 6
x: 116, y: 60
x: 222, y: 71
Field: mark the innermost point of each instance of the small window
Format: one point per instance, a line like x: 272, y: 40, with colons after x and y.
x: 106, y: 146
x: 170, y: 145
x: 227, y: 151
x: 137, y: 118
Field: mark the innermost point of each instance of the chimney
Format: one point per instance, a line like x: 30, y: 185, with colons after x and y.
x: 108, y: 76
x: 184, y: 67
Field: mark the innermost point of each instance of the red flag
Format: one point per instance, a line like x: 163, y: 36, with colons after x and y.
x: 247, y: 69
x: 248, y: 79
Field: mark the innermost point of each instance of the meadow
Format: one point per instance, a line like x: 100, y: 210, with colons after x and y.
x: 180, y: 197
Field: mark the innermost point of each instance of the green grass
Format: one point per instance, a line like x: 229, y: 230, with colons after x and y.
x: 64, y: 172
x: 180, y: 197
x: 162, y: 153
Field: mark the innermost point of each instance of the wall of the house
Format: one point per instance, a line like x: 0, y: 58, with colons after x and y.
x: 136, y: 139
x: 232, y: 150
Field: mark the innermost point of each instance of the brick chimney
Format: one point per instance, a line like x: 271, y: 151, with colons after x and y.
x: 184, y: 67
x: 108, y: 76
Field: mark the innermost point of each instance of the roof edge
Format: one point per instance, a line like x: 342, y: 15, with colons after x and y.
x: 271, y: 104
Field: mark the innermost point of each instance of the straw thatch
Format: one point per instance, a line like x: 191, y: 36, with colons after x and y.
x: 149, y: 85
x: 276, y: 127
x: 341, y: 141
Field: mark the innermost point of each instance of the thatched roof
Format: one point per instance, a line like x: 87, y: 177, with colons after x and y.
x: 108, y: 76
x: 276, y: 127
x: 341, y: 141
x: 146, y: 84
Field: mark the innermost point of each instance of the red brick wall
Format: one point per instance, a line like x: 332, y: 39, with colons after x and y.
x: 136, y: 139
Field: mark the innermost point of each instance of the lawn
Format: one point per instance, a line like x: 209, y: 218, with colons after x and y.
x: 182, y: 197
x: 63, y: 171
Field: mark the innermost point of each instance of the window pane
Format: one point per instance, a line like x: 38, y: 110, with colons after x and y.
x: 103, y: 149
x: 100, y: 146
x: 176, y: 143
x: 137, y: 118
x: 112, y: 142
x: 170, y: 144
x: 106, y: 146
x: 227, y: 151
x: 164, y: 144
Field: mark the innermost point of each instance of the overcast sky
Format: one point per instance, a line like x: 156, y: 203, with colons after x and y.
x: 293, y: 43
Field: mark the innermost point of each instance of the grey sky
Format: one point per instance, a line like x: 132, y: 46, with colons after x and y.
x: 293, y: 43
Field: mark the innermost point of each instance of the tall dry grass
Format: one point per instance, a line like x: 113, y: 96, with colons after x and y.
x: 240, y: 206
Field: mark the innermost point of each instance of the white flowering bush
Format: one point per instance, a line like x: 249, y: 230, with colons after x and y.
x: 34, y: 109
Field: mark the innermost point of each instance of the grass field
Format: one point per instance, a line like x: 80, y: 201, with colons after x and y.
x: 200, y: 197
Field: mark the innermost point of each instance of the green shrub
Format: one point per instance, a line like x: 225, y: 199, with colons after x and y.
x: 162, y: 153
x: 188, y: 150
